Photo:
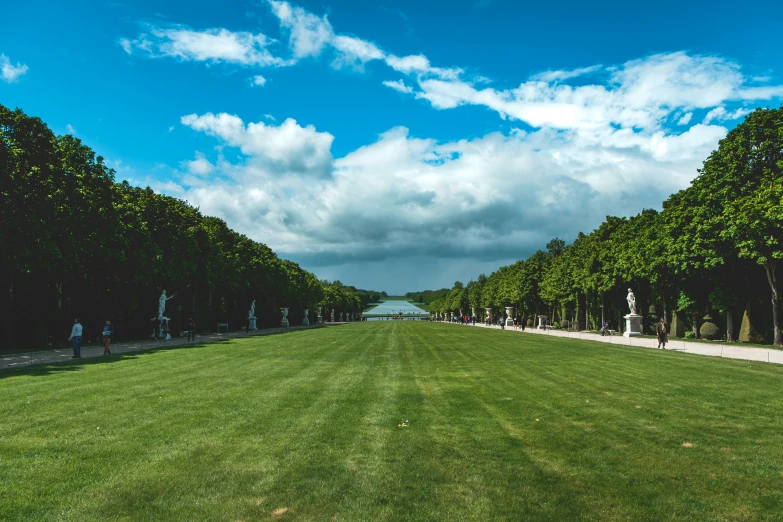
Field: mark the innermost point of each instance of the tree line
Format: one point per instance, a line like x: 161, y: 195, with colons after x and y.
x: 74, y: 242
x: 711, y: 255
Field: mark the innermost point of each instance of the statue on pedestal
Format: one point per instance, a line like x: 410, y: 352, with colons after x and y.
x: 332, y: 314
x: 306, y: 321
x: 251, y: 316
x: 320, y: 316
x: 633, y: 321
x: 284, y: 322
x: 631, y: 301
x: 160, y: 317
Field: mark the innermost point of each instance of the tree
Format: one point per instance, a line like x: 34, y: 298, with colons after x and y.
x: 740, y: 189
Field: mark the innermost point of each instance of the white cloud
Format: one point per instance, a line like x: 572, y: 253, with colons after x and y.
x: 287, y: 148
x: 308, y: 33
x: 721, y: 114
x: 554, y: 76
x: 685, y: 119
x: 454, y: 198
x: 606, y: 143
x: 354, y: 52
x: 399, y: 85
x: 209, y: 45
x: 258, y: 80
x: 419, y: 64
x: 70, y: 129
x: 9, y: 72
x: 199, y: 166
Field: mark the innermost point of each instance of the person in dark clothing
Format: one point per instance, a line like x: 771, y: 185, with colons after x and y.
x: 191, y: 324
x: 76, y: 338
x: 107, y: 333
x: 662, y: 332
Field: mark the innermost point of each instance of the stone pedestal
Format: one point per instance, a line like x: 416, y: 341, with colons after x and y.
x: 509, y: 316
x: 252, y: 321
x: 306, y: 321
x: 542, y: 321
x: 284, y: 322
x: 633, y: 325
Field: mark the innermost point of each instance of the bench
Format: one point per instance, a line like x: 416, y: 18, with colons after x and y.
x: 220, y: 325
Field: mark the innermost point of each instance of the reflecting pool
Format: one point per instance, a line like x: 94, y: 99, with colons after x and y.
x: 396, y: 308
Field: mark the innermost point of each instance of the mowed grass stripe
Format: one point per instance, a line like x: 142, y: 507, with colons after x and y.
x: 310, y: 424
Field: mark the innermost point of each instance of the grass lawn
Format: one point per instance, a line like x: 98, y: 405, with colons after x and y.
x: 393, y: 420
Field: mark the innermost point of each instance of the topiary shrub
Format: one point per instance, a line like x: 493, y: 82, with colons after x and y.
x: 530, y: 322
x: 709, y: 330
x: 748, y: 331
x: 689, y: 335
x: 564, y: 324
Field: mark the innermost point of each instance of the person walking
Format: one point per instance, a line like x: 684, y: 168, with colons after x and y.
x: 661, y: 332
x: 516, y: 323
x: 502, y: 323
x: 191, y: 328
x: 76, y: 338
x: 107, y: 334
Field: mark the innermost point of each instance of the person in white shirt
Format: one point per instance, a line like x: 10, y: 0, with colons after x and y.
x: 76, y: 337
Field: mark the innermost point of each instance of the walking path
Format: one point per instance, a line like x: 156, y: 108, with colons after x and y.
x: 96, y: 349
x: 712, y: 350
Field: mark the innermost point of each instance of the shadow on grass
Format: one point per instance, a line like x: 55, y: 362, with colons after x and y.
x: 74, y: 365
x: 70, y: 365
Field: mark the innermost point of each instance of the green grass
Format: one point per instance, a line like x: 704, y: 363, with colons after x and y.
x: 500, y: 426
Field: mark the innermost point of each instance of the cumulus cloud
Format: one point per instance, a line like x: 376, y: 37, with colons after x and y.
x: 285, y: 149
x: 721, y: 114
x: 200, y: 166
x: 9, y: 72
x: 685, y: 119
x: 308, y: 33
x: 258, y: 81
x: 601, y: 139
x: 399, y: 85
x: 208, y: 45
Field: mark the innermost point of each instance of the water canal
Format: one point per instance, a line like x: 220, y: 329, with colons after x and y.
x: 394, y: 308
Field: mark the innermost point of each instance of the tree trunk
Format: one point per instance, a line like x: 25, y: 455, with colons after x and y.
x: 695, y: 323
x: 769, y: 267
x: 9, y: 319
x: 729, y: 326
x: 587, y: 312
x: 603, y: 311
x: 665, y: 319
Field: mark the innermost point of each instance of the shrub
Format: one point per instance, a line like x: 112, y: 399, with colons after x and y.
x: 564, y: 324
x: 709, y: 330
x: 530, y: 322
x: 689, y: 335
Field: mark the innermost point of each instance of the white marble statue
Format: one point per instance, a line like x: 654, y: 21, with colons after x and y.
x: 631, y: 302
x: 332, y: 314
x: 284, y: 313
x: 306, y: 321
x: 251, y: 316
x: 162, y: 307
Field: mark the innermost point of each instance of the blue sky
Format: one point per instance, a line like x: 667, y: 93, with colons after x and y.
x: 401, y: 145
